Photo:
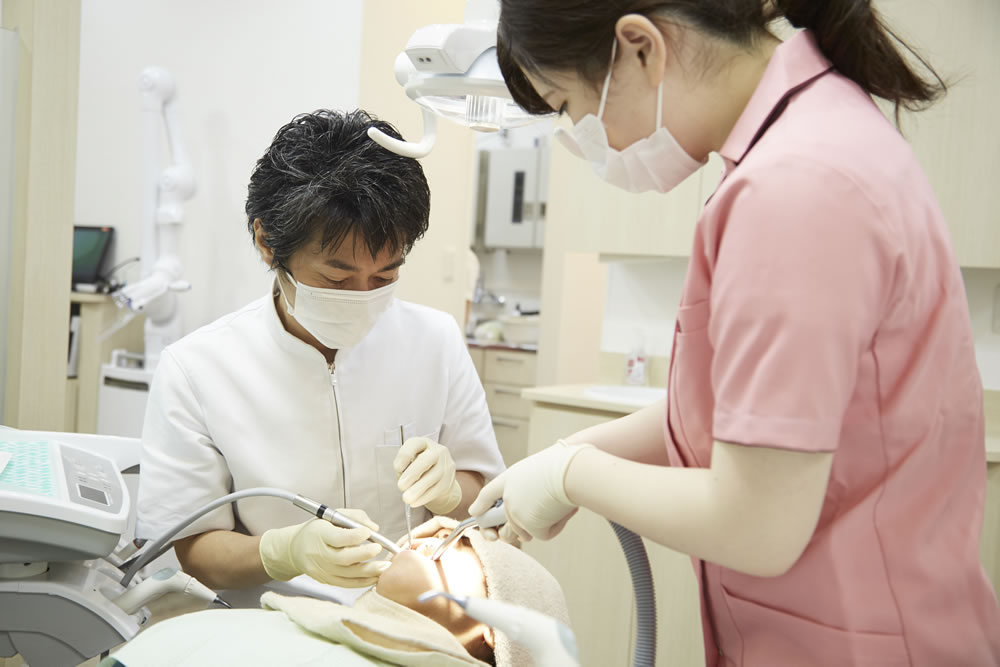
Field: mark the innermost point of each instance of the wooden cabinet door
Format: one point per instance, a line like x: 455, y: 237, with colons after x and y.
x: 956, y: 140
x: 609, y: 220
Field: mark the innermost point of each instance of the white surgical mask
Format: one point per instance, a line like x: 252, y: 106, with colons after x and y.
x: 656, y: 162
x: 337, y: 318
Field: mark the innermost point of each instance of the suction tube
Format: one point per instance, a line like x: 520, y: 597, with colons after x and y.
x: 645, y: 595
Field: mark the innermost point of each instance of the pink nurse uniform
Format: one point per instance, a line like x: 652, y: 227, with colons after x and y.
x: 824, y: 311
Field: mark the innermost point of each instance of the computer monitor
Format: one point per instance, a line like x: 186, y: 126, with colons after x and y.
x: 90, y: 249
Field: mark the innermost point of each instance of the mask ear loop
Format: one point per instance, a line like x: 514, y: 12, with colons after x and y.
x: 607, y: 79
x: 282, y: 289
x: 659, y: 106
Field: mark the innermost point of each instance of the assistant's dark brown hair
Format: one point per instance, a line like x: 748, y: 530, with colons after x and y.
x: 540, y: 36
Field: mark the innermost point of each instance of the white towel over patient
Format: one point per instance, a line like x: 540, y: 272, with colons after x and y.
x: 388, y: 630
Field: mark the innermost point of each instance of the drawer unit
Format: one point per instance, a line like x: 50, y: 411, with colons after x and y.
x: 505, y: 400
x: 512, y: 438
x: 478, y: 355
x: 511, y: 367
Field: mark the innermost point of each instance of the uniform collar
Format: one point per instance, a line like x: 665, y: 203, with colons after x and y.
x: 284, y: 338
x: 794, y: 63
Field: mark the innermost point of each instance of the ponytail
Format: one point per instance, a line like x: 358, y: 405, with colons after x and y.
x: 852, y: 34
x: 539, y: 37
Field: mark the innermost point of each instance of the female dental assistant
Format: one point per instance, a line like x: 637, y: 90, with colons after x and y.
x: 326, y: 386
x: 821, y: 451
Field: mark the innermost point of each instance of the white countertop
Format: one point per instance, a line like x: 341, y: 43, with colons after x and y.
x: 501, y: 345
x: 992, y: 449
x: 576, y: 396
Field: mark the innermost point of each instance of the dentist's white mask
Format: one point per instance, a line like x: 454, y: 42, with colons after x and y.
x: 336, y: 318
x: 656, y: 162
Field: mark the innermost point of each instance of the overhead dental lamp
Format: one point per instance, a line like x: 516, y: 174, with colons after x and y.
x: 451, y: 71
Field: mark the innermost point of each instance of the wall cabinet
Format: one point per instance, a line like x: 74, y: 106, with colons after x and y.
x: 614, y: 222
x: 513, y: 182
x: 956, y: 139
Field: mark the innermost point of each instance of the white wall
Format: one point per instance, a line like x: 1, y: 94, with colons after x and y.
x: 981, y: 288
x: 514, y: 274
x: 243, y: 69
x: 641, y: 304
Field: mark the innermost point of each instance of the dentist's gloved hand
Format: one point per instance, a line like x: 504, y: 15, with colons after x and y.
x: 425, y: 474
x: 327, y: 553
x: 534, y: 494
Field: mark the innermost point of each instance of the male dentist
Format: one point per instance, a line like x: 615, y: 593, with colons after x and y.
x: 327, y: 386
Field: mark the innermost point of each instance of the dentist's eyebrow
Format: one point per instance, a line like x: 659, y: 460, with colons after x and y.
x: 394, y: 265
x: 343, y: 266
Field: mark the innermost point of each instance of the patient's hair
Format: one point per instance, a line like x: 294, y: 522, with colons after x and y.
x: 323, y: 174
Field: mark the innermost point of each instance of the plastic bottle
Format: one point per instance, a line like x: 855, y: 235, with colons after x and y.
x: 636, y: 363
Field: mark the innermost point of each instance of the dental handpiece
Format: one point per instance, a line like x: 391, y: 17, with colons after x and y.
x: 167, y: 580
x: 491, y: 518
x: 336, y: 518
x: 550, y: 642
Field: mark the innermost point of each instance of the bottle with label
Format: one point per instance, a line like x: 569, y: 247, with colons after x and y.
x: 636, y: 363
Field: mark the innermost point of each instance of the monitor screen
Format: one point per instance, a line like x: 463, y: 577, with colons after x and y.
x: 90, y: 247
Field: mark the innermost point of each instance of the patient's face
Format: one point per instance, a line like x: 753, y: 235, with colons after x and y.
x: 459, y: 571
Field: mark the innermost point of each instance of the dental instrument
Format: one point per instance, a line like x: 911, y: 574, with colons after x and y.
x: 550, y: 642
x: 637, y: 559
x: 336, y: 518
x: 409, y: 524
x: 321, y: 511
x: 167, y: 580
x: 492, y: 518
x: 409, y: 527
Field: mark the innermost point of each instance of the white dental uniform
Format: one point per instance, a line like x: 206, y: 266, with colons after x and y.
x: 242, y: 403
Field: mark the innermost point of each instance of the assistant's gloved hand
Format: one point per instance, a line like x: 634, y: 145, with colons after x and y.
x: 425, y: 474
x: 534, y: 494
x: 327, y: 553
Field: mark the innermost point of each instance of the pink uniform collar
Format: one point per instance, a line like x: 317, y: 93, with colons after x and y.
x: 793, y: 64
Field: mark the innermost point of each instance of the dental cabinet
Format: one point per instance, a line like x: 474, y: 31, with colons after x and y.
x: 598, y: 588
x: 512, y: 193
x: 505, y: 371
x: 98, y: 314
x: 588, y: 562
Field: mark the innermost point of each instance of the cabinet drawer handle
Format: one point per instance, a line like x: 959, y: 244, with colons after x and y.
x: 506, y: 423
x: 509, y: 392
x: 509, y: 360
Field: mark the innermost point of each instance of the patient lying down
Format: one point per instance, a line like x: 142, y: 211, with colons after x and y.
x: 386, y: 626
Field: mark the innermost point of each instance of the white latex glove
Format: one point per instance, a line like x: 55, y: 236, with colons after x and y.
x: 327, y: 553
x: 428, y: 528
x: 425, y: 474
x: 534, y: 494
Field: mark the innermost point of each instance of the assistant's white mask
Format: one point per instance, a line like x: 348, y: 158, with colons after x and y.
x: 656, y: 162
x: 336, y: 318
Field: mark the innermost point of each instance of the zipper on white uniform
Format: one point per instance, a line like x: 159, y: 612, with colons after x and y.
x: 340, y: 428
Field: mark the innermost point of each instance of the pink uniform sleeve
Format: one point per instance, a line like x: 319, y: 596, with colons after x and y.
x: 802, y: 273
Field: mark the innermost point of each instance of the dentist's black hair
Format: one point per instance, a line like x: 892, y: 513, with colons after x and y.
x: 574, y: 36
x: 323, y: 175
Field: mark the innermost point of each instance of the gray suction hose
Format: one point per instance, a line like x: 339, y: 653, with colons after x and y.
x: 645, y: 595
